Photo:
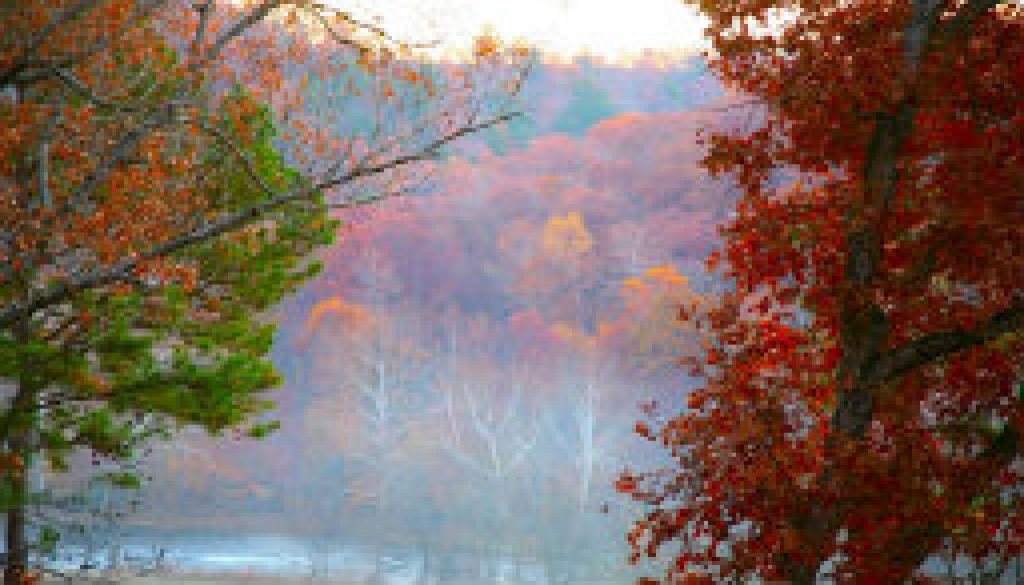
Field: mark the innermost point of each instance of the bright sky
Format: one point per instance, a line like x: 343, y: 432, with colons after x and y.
x: 612, y: 29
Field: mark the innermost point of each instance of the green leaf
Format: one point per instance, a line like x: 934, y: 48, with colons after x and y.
x: 263, y: 430
x: 124, y: 480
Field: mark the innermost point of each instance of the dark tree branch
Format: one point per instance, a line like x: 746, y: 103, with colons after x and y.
x: 205, y: 10
x: 71, y: 13
x: 320, y: 11
x: 79, y: 87
x: 935, y: 346
x: 964, y: 20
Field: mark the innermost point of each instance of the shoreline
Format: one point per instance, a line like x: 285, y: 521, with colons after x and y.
x: 192, y: 579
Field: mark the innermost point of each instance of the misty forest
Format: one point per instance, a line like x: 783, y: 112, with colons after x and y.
x: 554, y: 292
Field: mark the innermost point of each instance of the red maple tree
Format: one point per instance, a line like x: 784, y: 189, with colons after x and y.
x: 860, y: 407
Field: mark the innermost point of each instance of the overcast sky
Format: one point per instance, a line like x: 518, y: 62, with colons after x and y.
x: 612, y: 29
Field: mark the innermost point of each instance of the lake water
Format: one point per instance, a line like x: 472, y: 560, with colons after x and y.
x: 262, y: 554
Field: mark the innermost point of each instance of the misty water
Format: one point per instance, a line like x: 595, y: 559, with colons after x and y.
x: 258, y: 554
x: 269, y: 555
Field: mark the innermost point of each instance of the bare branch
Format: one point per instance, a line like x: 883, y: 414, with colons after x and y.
x: 426, y: 153
x: 83, y: 90
x: 43, y: 164
x: 319, y: 11
x: 244, y: 24
x: 338, y: 37
x: 205, y: 10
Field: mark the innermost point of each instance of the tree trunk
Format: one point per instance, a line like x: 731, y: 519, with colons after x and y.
x: 951, y: 570
x: 798, y: 573
x: 425, y: 553
x: 19, y: 446
x: 17, y: 548
x: 115, y: 556
x: 446, y: 568
x: 319, y: 552
x: 494, y: 565
x: 378, y: 566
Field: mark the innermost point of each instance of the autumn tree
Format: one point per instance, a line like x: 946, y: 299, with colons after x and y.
x: 561, y: 273
x: 652, y: 334
x: 488, y: 429
x: 110, y: 369
x: 150, y: 206
x: 861, y: 400
x: 370, y: 414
